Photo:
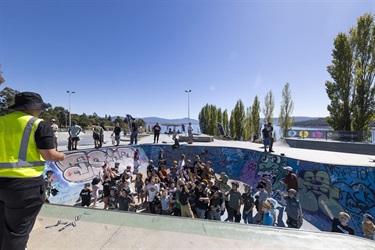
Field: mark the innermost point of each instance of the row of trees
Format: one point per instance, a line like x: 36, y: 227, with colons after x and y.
x: 244, y: 123
x: 62, y: 115
x: 352, y: 90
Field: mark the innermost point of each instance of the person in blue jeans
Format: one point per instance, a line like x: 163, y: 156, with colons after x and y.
x: 248, y: 201
x: 134, y: 134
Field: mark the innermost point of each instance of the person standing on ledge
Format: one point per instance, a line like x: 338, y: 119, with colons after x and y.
x: 156, y: 130
x: 266, y: 137
x: 117, y: 132
x: 271, y: 140
x: 134, y: 134
x: 55, y: 128
x: 190, y: 133
x: 25, y: 143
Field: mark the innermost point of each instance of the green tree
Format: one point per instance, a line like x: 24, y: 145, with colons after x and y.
x: 255, y: 117
x: 84, y: 121
x: 363, y: 41
x: 1, y: 76
x: 213, y: 121
x: 269, y: 106
x: 286, y: 120
x: 225, y: 122
x: 203, y: 117
x: 247, y: 132
x: 341, y: 90
x: 219, y: 115
x: 236, y: 124
x: 6, y: 100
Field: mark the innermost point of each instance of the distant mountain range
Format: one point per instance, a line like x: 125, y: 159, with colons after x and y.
x: 298, y: 119
x: 153, y: 120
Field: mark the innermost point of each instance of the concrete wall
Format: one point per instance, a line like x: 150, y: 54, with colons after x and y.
x: 343, y: 188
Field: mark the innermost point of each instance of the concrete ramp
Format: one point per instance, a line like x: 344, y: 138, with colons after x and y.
x: 103, y: 229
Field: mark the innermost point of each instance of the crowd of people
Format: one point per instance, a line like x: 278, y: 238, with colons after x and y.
x: 193, y: 189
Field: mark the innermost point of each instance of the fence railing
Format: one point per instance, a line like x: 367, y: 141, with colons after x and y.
x: 353, y: 136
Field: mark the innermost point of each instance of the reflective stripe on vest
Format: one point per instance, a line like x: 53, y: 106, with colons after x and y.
x: 23, y: 149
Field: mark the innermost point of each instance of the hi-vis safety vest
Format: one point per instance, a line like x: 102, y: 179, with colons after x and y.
x: 19, y: 156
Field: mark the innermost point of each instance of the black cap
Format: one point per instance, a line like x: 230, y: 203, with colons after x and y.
x: 29, y: 100
x: 235, y: 183
x: 261, y: 185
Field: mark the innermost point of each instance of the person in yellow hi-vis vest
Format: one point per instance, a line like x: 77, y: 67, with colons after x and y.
x: 25, y: 143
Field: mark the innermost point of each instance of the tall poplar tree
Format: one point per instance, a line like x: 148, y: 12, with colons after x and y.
x: 286, y: 120
x: 225, y: 122
x: 340, y: 90
x: 238, y: 115
x: 247, y: 132
x: 363, y: 40
x: 352, y: 91
x: 269, y: 106
x: 255, y: 117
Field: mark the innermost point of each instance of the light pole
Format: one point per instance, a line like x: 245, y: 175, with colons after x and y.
x: 70, y: 114
x: 188, y: 91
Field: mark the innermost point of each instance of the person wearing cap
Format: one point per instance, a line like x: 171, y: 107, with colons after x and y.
x: 260, y: 196
x: 25, y: 143
x: 291, y: 180
x: 234, y: 202
x: 293, y: 209
x: 151, y: 166
x: 74, y: 132
x: 224, y: 188
x: 248, y: 201
x: 339, y: 225
x: 368, y: 227
x: 48, y: 184
x: 55, y: 128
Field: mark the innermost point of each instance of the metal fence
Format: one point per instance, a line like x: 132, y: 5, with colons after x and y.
x: 352, y: 136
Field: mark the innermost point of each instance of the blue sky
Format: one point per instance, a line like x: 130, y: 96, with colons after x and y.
x: 139, y: 57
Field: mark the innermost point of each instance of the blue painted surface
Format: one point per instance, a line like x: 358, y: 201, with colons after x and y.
x: 343, y: 188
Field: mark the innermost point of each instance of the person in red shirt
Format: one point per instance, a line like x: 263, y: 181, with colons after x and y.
x: 291, y: 180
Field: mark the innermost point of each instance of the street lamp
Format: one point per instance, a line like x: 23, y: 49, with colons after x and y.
x: 70, y: 114
x: 188, y: 91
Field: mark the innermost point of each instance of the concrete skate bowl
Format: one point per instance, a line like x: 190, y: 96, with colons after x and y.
x: 343, y: 188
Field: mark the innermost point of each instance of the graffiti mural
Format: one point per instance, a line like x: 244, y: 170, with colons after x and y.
x: 343, y: 188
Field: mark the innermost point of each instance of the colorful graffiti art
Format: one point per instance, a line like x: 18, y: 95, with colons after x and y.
x: 343, y: 188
